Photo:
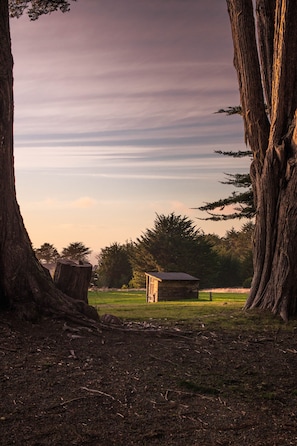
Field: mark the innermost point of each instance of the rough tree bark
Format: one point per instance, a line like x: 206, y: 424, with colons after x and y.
x: 267, y: 75
x: 25, y: 286
x: 73, y: 278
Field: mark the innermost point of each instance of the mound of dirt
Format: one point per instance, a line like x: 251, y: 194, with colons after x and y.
x: 145, y: 385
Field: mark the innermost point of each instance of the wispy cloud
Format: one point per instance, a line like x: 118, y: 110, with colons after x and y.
x: 114, y: 113
x: 56, y: 204
x: 84, y: 203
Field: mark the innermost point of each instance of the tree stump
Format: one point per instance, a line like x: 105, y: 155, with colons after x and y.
x: 73, y: 278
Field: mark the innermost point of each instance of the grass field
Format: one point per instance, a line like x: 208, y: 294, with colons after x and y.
x: 224, y: 311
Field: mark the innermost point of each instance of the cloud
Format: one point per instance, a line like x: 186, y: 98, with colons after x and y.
x: 114, y: 114
x: 135, y: 65
x: 83, y: 203
x: 56, y: 204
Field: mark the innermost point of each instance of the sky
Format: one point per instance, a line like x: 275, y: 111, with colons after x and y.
x: 115, y: 118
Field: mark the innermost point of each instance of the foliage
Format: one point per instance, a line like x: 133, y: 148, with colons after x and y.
x: 36, y: 8
x: 234, y: 251
x: 233, y: 110
x: 114, y: 267
x: 241, y: 202
x: 47, y: 253
x: 243, y: 205
x: 76, y: 251
x: 173, y: 244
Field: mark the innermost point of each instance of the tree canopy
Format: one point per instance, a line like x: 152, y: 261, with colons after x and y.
x: 234, y: 257
x: 173, y: 244
x: 47, y: 253
x: 36, y: 8
x: 242, y: 202
x: 219, y: 261
x: 76, y: 251
x: 114, y: 266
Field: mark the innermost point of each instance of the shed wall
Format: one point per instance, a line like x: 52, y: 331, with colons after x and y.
x: 176, y: 290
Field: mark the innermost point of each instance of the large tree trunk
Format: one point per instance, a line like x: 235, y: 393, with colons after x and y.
x: 272, y: 136
x: 25, y: 286
x: 274, y: 285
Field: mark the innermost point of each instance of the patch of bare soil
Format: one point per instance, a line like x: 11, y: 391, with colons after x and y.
x: 139, y: 386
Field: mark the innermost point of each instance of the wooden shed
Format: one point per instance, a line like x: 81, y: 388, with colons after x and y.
x: 170, y: 286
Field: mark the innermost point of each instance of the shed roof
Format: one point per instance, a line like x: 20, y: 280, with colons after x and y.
x: 171, y: 276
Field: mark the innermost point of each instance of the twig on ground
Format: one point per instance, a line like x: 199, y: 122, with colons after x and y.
x: 94, y: 392
x: 98, y: 392
x: 204, y: 397
x: 64, y: 403
x: 163, y: 360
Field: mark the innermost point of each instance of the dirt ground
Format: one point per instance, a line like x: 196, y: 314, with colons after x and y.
x: 145, y: 385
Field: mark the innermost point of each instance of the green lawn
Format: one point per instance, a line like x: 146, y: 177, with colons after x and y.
x: 224, y: 311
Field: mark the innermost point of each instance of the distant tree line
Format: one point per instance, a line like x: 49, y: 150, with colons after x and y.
x: 174, y: 244
x: 47, y: 254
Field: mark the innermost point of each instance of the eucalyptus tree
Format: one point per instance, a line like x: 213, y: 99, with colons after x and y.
x: 265, y: 58
x: 25, y: 286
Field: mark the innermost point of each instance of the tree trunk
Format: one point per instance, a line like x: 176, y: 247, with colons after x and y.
x: 25, y: 286
x: 274, y: 285
x: 73, y: 278
x: 273, y: 142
